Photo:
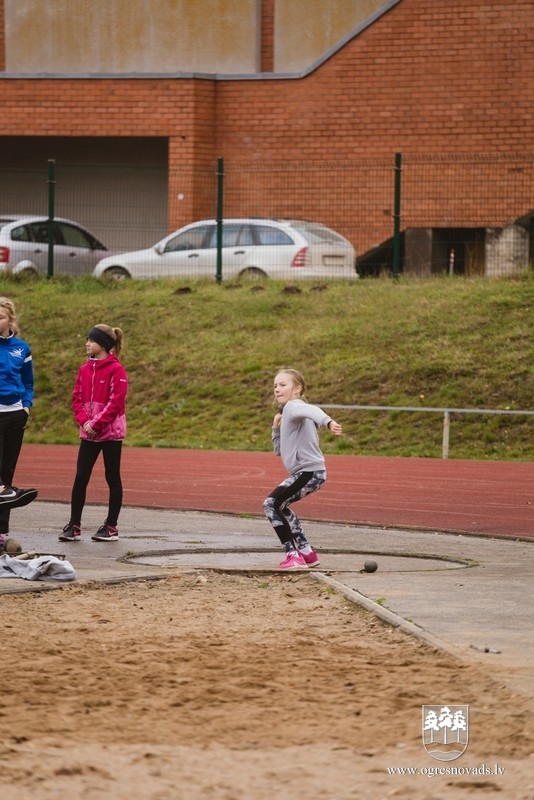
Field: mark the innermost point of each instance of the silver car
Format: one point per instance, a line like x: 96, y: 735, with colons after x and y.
x: 260, y: 248
x: 24, y: 246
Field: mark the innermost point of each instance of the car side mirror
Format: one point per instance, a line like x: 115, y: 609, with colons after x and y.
x: 159, y: 248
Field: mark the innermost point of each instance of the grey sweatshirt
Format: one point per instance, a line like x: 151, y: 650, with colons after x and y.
x: 297, y: 439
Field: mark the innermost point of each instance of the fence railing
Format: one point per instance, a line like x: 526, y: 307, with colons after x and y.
x: 445, y: 411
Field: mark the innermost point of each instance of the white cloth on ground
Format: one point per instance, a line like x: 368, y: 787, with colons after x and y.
x: 40, y: 568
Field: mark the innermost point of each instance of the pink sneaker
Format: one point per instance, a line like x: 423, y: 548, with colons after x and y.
x: 293, y: 561
x: 311, y: 559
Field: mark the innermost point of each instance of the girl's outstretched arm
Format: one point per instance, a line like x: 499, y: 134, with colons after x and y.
x: 335, y: 428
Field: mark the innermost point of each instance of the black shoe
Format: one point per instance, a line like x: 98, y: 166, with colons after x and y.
x: 70, y: 533
x: 15, y: 498
x: 106, y: 533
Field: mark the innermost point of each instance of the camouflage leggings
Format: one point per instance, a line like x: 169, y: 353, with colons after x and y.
x: 285, y: 522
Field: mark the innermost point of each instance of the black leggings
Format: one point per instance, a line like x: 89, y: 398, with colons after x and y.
x: 87, y: 456
x: 285, y: 522
x: 12, y: 425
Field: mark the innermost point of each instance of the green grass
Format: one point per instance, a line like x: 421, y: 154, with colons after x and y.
x: 201, y: 362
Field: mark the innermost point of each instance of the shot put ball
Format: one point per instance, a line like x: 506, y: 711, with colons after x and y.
x: 370, y: 566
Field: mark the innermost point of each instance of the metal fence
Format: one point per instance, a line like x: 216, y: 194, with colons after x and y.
x: 445, y: 448
x: 446, y: 214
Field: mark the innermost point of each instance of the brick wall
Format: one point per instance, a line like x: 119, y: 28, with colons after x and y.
x: 428, y: 78
x: 267, y: 36
x: 433, y: 77
x: 192, y: 154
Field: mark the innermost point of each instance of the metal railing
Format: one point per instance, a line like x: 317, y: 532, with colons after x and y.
x: 445, y: 411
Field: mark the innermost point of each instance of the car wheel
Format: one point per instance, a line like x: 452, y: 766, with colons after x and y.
x: 116, y: 274
x: 253, y: 272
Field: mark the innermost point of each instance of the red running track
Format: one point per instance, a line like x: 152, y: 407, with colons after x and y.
x: 475, y: 497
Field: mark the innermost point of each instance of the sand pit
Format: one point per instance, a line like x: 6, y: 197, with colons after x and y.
x: 237, y: 687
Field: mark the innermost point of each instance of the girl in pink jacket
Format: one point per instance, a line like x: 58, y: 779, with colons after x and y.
x: 98, y: 403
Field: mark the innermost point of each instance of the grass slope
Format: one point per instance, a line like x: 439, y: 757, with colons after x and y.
x: 201, y: 359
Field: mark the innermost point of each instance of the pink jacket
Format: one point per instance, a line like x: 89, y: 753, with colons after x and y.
x: 99, y: 397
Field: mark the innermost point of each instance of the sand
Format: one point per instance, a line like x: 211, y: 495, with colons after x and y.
x: 238, y: 687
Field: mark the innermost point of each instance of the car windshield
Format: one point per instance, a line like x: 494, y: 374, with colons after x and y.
x: 318, y: 234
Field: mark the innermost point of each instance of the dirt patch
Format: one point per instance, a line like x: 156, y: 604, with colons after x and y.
x: 237, y: 687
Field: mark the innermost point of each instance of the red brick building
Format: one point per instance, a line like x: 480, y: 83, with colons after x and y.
x: 447, y: 83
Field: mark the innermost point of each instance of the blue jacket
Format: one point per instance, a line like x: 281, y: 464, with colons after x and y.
x: 16, y: 371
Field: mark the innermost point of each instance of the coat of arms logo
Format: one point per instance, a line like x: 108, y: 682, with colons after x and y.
x: 445, y: 731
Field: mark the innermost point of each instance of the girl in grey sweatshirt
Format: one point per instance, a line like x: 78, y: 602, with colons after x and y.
x: 295, y: 438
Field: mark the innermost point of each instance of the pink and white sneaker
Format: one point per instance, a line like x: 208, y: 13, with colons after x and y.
x: 293, y: 561
x: 311, y: 559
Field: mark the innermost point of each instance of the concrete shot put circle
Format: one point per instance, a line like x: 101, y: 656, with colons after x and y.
x: 265, y: 560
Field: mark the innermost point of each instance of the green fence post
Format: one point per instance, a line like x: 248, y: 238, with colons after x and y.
x: 220, y: 196
x: 397, y: 216
x: 51, y: 201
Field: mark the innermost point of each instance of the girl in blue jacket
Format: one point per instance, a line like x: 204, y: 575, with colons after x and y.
x: 16, y: 397
x: 98, y: 403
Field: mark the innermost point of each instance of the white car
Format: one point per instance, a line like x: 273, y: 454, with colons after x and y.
x: 24, y: 246
x: 260, y: 248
